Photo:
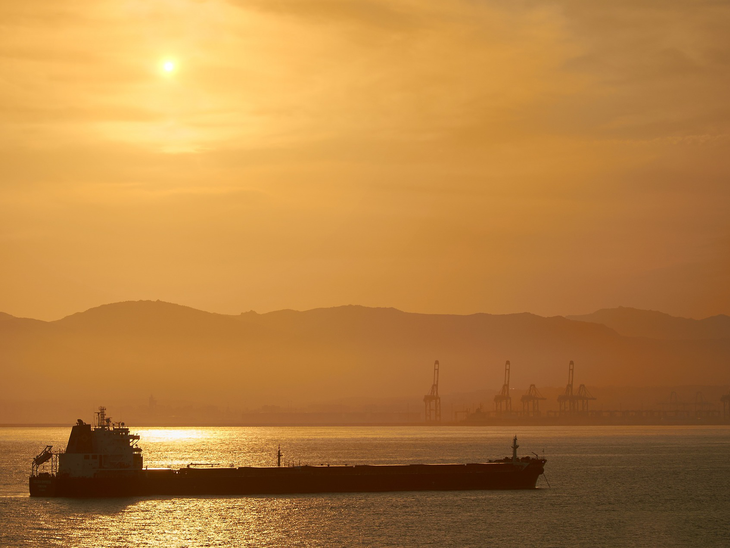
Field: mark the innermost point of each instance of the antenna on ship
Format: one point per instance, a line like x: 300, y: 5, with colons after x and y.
x: 278, y: 457
x: 514, y: 449
x: 101, y: 420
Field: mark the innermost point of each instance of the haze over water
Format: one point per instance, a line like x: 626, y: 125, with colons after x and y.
x: 609, y: 486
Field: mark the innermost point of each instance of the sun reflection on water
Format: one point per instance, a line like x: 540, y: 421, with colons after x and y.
x: 637, y: 496
x: 172, y: 434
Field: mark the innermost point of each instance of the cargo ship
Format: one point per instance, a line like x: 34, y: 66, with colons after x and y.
x: 104, y: 460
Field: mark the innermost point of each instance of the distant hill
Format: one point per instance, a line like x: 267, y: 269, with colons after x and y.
x: 633, y: 322
x: 135, y: 349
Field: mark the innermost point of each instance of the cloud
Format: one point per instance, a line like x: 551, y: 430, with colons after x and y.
x: 382, y: 14
x: 656, y: 68
x: 477, y: 72
x: 550, y: 151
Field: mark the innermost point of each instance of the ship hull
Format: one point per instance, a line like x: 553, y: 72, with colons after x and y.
x: 292, y: 480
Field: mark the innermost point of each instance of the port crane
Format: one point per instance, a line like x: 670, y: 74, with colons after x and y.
x: 674, y: 403
x: 432, y: 400
x: 574, y: 404
x: 531, y: 402
x: 565, y: 400
x: 503, y: 401
x: 702, y: 406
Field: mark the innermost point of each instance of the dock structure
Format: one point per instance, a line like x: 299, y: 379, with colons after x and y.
x: 573, y: 410
x: 432, y: 400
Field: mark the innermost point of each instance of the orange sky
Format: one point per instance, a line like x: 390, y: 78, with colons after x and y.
x: 460, y: 156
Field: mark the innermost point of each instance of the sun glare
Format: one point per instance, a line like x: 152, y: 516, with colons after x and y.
x: 172, y: 434
x: 168, y: 66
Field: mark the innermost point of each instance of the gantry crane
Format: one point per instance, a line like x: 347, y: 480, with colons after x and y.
x: 674, y: 403
x: 433, y: 400
x: 531, y: 402
x: 565, y: 400
x: 574, y: 404
x: 702, y: 406
x: 583, y: 398
x: 675, y: 407
x: 503, y: 401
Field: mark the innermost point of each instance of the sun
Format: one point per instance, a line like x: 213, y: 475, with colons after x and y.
x: 168, y: 66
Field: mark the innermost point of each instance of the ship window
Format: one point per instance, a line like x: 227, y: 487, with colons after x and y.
x: 86, y: 457
x: 95, y: 456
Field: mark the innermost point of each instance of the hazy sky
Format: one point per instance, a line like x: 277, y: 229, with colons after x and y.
x: 448, y: 156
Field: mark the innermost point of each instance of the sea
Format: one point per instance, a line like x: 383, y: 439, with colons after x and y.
x: 654, y: 486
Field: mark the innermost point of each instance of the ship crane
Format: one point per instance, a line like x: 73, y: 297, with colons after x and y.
x: 432, y: 400
x: 503, y: 401
x: 531, y: 402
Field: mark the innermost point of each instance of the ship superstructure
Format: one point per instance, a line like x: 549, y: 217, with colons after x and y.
x: 105, y: 446
x: 102, y: 449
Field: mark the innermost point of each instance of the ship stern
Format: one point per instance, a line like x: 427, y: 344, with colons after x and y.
x: 42, y: 485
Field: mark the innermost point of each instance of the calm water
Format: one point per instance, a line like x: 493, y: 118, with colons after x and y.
x: 608, y: 486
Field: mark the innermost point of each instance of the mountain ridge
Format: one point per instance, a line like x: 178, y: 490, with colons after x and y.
x: 634, y: 322
x: 174, y: 351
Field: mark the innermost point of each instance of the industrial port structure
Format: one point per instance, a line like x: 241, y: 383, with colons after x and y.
x: 432, y: 399
x: 573, y: 407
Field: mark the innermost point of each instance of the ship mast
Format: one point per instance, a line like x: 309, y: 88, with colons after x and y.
x: 101, y: 419
x: 514, y: 449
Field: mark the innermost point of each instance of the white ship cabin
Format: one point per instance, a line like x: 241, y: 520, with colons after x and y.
x: 106, y: 446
